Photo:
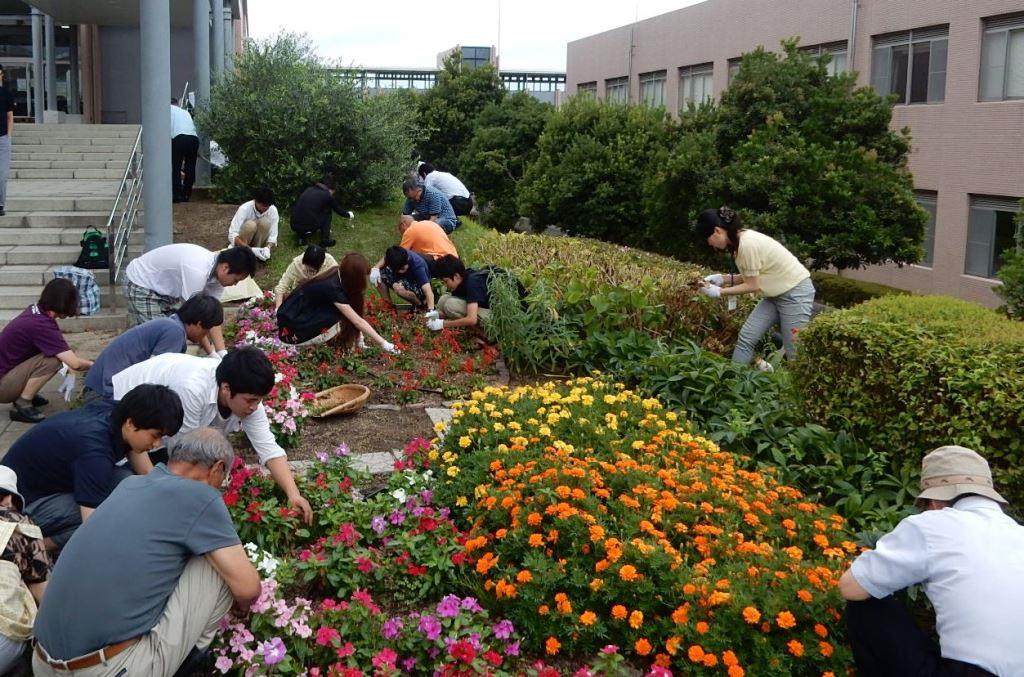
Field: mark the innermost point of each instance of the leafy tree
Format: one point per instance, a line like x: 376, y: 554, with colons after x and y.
x: 806, y: 156
x: 590, y: 170
x: 1011, y: 273
x: 494, y: 160
x: 449, y: 110
x: 285, y: 117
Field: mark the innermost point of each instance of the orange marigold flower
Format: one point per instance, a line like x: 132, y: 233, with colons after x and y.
x: 524, y: 576
x: 663, y: 660
x: 751, y: 615
x: 785, y: 620
x: 736, y: 671
x: 689, y: 589
x: 828, y: 674
x: 695, y: 653
x: 672, y: 644
x: 636, y: 619
x: 596, y: 532
x: 619, y: 612
x: 710, y: 660
x: 642, y: 646
x: 820, y: 630
x: 804, y: 595
x: 596, y: 584
x: 795, y: 648
x: 533, y: 519
x: 729, y: 658
x: 536, y: 540
x: 601, y: 565
x: 789, y: 524
x: 681, y: 614
x: 543, y: 610
x: 825, y: 648
x: 702, y: 627
x: 552, y: 646
x: 628, y: 573
x: 501, y: 533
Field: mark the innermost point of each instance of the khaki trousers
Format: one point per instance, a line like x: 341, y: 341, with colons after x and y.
x: 255, y: 233
x: 190, y: 619
x: 453, y: 308
x: 13, y: 382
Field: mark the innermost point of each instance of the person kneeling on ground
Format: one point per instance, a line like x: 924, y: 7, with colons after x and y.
x: 32, y: 349
x: 448, y: 185
x: 312, y: 212
x: 303, y: 267
x: 468, y: 301
x: 67, y: 465
x: 142, y: 587
x: 255, y: 224
x: 407, y: 274
x: 426, y: 238
x: 766, y: 268
x: 24, y: 569
x: 969, y: 556
x: 160, y: 280
x: 329, y: 305
x: 426, y: 204
x: 226, y: 394
x: 192, y: 322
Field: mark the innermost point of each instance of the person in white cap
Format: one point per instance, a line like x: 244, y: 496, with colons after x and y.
x: 25, y: 568
x: 969, y: 556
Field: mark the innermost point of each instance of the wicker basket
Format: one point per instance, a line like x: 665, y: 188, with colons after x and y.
x: 343, y: 399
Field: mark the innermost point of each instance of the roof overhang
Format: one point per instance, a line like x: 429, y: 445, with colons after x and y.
x: 114, y: 12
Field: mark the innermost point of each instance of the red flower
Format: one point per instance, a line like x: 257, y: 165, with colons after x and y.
x: 364, y: 564
x: 416, y: 570
x: 493, y: 657
x: 463, y: 651
x: 230, y: 498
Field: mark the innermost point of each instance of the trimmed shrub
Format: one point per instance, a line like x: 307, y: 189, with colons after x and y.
x: 843, y: 292
x: 911, y: 373
x: 1011, y: 274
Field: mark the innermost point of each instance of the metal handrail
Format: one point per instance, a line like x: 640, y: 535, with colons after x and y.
x: 122, y: 216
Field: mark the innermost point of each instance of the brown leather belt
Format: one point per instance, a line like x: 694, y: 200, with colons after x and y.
x: 88, y: 660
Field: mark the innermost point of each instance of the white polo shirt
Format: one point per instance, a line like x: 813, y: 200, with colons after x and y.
x: 445, y: 183
x: 181, y: 122
x: 194, y: 379
x: 177, y: 271
x: 970, y: 559
x: 247, y: 212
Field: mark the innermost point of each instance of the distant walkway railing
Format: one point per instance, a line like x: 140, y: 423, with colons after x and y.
x: 123, y: 214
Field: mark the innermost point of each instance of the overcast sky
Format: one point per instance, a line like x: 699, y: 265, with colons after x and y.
x: 402, y: 33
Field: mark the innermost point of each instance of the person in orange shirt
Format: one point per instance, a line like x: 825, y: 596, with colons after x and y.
x: 425, y: 238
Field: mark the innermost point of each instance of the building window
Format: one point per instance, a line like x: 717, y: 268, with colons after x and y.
x: 911, y: 65
x: 652, y: 89
x: 929, y: 202
x: 587, y: 90
x: 991, y: 227
x: 696, y: 85
x: 734, y: 67
x: 1002, y: 59
x: 475, y: 57
x: 837, y: 50
x: 616, y: 90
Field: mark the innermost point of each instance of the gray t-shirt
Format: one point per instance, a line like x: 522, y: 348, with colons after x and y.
x: 115, y: 575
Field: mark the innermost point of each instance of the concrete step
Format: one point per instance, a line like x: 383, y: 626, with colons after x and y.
x: 21, y: 220
x: 106, y: 320
x: 59, y: 204
x: 67, y: 174
x: 52, y: 236
x: 77, y: 147
x: 61, y: 139
x: 22, y: 296
x: 33, y: 254
x: 68, y: 164
x: 18, y: 156
x: 78, y: 130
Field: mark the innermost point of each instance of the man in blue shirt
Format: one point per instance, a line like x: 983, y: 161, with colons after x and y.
x: 192, y: 322
x: 426, y: 204
x: 67, y: 465
x: 406, y: 273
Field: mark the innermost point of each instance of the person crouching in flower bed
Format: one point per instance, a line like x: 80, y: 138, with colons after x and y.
x: 406, y: 273
x: 329, y: 305
x: 969, y: 556
x: 468, y: 301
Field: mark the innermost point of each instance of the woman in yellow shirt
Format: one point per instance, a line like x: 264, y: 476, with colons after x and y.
x: 767, y: 268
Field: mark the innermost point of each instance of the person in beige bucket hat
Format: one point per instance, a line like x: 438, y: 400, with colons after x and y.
x: 969, y: 556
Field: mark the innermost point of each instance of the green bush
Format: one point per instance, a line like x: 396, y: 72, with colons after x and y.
x: 284, y: 118
x: 843, y: 292
x: 1011, y: 274
x: 911, y: 373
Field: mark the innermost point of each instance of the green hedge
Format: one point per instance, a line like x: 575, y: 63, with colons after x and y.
x: 911, y: 373
x: 843, y: 292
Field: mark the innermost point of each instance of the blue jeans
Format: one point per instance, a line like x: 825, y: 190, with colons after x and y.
x: 791, y: 310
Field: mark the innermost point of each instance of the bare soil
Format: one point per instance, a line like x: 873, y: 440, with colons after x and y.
x: 202, y: 221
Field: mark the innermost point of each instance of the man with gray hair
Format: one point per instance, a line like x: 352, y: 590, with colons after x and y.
x: 969, y: 556
x: 142, y: 585
x: 426, y: 204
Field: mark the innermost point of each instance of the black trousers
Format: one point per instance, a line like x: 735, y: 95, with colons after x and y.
x: 305, y: 230
x: 462, y: 205
x: 887, y: 642
x: 184, y: 151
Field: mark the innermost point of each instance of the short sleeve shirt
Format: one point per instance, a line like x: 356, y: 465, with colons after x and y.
x: 29, y: 334
x: 6, y: 106
x: 114, y: 577
x: 429, y: 239
x: 418, y: 272
x: 177, y: 271
x: 156, y: 337
x: 763, y: 257
x: 474, y: 288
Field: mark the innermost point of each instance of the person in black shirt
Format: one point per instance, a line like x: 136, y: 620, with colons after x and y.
x: 6, y: 130
x: 312, y: 212
x: 468, y: 303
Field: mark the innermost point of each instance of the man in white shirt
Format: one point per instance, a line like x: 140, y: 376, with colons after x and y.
x: 448, y: 185
x: 160, y: 280
x: 969, y: 556
x: 184, y: 151
x: 255, y: 224
x: 225, y: 394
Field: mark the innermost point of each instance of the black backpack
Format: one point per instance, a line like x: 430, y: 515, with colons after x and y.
x: 94, y: 250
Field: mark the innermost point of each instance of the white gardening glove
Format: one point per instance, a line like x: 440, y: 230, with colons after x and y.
x: 219, y: 354
x: 431, y: 315
x: 436, y: 324
x: 262, y: 253
x: 361, y: 343
x: 67, y: 387
x: 351, y: 215
x: 390, y: 348
x: 374, y: 276
x: 711, y: 291
x: 715, y: 279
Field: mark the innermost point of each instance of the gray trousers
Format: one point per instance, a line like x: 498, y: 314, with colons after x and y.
x: 790, y: 310
x: 5, y: 166
x: 58, y: 515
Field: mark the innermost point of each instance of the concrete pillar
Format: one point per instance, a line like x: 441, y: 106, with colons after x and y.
x: 217, y: 45
x: 201, y: 59
x: 155, y: 71
x: 73, y: 79
x: 38, y: 101
x: 51, y: 65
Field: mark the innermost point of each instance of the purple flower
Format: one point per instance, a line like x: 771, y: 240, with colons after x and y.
x: 448, y: 607
x: 408, y: 664
x: 378, y: 524
x: 430, y: 627
x: 426, y: 495
x: 273, y: 651
x: 474, y: 640
x: 321, y: 456
x: 503, y: 629
x: 444, y: 513
x: 512, y: 649
x: 392, y: 627
x: 471, y: 605
x: 397, y: 517
x: 223, y: 664
x: 419, y: 511
x: 341, y: 450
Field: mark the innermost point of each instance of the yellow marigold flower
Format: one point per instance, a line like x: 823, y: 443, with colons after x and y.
x: 588, y: 618
x: 596, y: 584
x: 453, y: 470
x: 786, y: 620
x: 433, y: 454
x: 636, y: 619
x: 461, y: 502
x: 751, y: 615
x: 440, y: 426
x: 552, y: 646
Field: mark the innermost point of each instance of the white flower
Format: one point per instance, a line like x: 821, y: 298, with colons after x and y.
x: 278, y: 377
x: 399, y: 495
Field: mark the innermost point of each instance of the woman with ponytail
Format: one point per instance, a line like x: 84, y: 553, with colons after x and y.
x: 767, y: 268
x: 329, y: 305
